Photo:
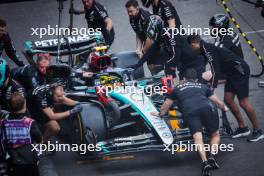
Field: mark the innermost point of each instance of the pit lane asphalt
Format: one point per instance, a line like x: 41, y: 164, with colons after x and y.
x: 246, y: 160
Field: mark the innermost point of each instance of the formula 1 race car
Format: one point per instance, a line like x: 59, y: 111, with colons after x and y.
x: 135, y: 129
x: 116, y: 120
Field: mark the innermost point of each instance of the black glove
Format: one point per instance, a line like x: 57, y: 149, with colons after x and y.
x: 76, y: 109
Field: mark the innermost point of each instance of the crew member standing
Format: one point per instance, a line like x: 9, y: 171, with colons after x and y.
x: 18, y: 133
x: 98, y: 19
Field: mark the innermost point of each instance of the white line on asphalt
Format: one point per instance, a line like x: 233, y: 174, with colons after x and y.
x: 254, y: 32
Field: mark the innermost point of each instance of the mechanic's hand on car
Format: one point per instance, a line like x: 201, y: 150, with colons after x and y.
x: 88, y: 74
x: 76, y: 109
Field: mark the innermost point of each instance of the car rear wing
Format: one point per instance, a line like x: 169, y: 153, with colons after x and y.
x: 69, y: 45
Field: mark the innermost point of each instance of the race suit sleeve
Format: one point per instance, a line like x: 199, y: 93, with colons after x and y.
x: 11, y: 51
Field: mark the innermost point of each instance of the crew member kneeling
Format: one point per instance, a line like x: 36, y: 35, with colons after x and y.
x: 44, y: 98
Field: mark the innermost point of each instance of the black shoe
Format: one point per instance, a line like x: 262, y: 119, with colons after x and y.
x: 256, y: 136
x: 213, y: 163
x: 241, y: 132
x: 206, y: 169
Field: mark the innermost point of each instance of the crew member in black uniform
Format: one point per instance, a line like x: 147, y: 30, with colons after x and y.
x: 98, y: 19
x: 6, y: 44
x: 139, y: 19
x: 166, y: 11
x: 18, y: 133
x: 169, y: 15
x: 260, y: 3
x: 222, y: 60
x: 8, y: 86
x: 179, y: 52
x: 194, y: 100
x: 31, y: 76
x: 229, y: 41
x: 44, y: 99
